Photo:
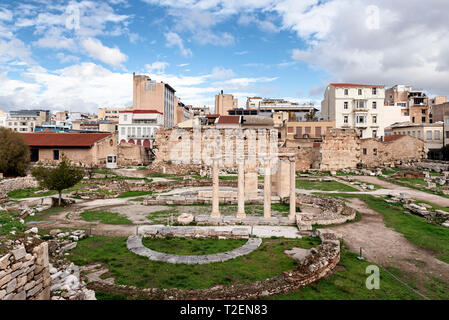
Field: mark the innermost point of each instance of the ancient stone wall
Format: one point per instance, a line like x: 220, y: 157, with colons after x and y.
x: 405, y: 149
x: 25, y: 276
x: 130, y: 154
x: 340, y: 149
x: 9, y: 185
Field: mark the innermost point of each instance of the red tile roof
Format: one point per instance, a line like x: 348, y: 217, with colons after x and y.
x: 63, y: 139
x: 141, y: 111
x: 356, y: 85
x: 393, y: 137
x: 213, y: 115
x: 229, y: 120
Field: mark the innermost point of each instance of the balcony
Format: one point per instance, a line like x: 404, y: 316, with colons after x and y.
x: 360, y: 106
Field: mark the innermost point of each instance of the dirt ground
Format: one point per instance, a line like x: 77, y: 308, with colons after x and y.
x: 386, y: 247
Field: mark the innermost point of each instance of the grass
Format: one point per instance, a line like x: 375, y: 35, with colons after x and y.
x: 34, y: 192
x: 182, y: 246
x: 415, y: 229
x: 324, y: 185
x: 105, y: 217
x: 129, y: 194
x: 228, y: 178
x: 131, y: 269
x: 44, y: 215
x: 348, y: 283
x: 418, y: 186
x: 9, y: 222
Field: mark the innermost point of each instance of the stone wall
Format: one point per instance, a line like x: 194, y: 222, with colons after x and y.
x: 404, y: 149
x: 25, y: 276
x: 340, y: 149
x: 9, y: 185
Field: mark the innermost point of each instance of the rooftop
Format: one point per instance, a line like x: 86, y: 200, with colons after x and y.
x: 63, y: 139
x: 353, y: 85
x: 141, y: 111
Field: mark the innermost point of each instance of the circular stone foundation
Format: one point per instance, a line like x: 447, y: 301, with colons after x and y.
x: 135, y: 245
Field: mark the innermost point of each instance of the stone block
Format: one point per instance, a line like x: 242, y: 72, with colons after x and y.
x: 5, y: 279
x: 4, y: 261
x: 20, y: 296
x: 11, y: 286
x: 34, y: 290
x: 19, y: 253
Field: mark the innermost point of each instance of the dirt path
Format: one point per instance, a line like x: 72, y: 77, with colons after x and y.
x: 386, y: 247
x: 419, y: 195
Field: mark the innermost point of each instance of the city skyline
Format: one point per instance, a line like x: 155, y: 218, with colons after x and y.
x: 80, y: 55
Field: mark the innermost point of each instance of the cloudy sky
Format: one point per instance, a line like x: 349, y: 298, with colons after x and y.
x: 80, y: 55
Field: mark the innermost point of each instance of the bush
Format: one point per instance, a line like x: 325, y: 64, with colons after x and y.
x: 14, y: 153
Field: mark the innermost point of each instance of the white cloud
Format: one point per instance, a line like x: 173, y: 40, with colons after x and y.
x: 174, y: 40
x: 157, y: 67
x: 111, y: 56
x: 55, y: 40
x: 221, y: 73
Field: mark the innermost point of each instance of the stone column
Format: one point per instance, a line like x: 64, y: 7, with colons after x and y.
x: 215, y: 193
x: 267, y: 190
x: 241, y: 190
x: 292, y: 214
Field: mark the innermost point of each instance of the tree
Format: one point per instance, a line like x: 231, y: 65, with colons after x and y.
x: 62, y: 177
x: 14, y: 153
x: 311, y: 116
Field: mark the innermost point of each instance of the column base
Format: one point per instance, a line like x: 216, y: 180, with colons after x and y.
x: 241, y: 215
x: 215, y: 216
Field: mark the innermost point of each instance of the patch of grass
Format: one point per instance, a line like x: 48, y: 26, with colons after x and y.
x: 417, y: 186
x: 348, y: 282
x: 129, y: 194
x: 105, y: 217
x: 30, y: 193
x: 44, y: 215
x: 228, y: 177
x: 9, y: 222
x: 324, y: 186
x: 131, y: 269
x: 183, y: 246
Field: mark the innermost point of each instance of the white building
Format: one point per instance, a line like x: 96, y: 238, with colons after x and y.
x: 359, y: 106
x: 139, y: 126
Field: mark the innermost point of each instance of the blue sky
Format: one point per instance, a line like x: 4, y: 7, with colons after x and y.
x: 80, y: 55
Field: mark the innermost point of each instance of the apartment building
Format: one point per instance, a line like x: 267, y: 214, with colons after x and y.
x: 253, y: 103
x: 295, y: 111
x: 413, y: 103
x: 430, y: 133
x: 111, y: 114
x: 149, y: 94
x: 139, y: 126
x: 440, y: 113
x: 26, y: 120
x: 224, y: 103
x: 359, y: 106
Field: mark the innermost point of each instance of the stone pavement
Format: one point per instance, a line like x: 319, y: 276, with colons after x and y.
x: 134, y: 244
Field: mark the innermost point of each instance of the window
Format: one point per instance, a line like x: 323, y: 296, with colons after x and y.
x: 423, y: 111
x: 429, y: 135
x: 374, y: 91
x: 374, y: 105
x: 447, y: 134
x: 345, y: 119
x: 360, y: 119
x: 364, y: 151
x: 345, y: 105
x: 413, y: 119
x: 375, y: 151
x: 423, y: 119
x: 374, y: 133
x: 436, y: 135
x: 360, y: 92
x: 374, y: 119
x: 55, y: 154
x: 122, y: 130
x: 419, y: 134
x: 346, y: 92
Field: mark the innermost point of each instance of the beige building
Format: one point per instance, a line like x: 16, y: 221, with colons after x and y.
x: 440, y: 113
x: 253, y: 103
x: 305, y: 129
x: 111, y: 114
x: 3, y: 117
x: 151, y: 95
x: 359, y: 106
x: 224, y: 103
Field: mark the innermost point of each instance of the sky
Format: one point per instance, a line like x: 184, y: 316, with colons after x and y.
x: 80, y: 55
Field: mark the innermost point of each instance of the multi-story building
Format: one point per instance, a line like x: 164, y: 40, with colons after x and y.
x: 151, y: 95
x: 253, y: 103
x: 440, y: 113
x: 26, y: 120
x: 196, y: 112
x: 139, y: 126
x: 359, y: 106
x: 430, y: 133
x: 295, y: 111
x: 413, y: 103
x: 224, y: 103
x: 111, y: 114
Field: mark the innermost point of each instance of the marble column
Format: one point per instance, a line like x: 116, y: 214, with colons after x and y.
x: 267, y: 190
x: 292, y: 214
x: 215, y: 193
x: 241, y: 190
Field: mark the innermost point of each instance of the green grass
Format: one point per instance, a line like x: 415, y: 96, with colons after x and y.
x: 324, y: 186
x: 29, y: 193
x: 228, y: 178
x: 129, y: 194
x: 9, y: 222
x: 418, y: 186
x: 44, y: 215
x: 415, y: 229
x: 105, y: 217
x: 131, y: 269
x: 183, y: 246
x: 348, y: 283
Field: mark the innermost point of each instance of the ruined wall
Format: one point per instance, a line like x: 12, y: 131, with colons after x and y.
x: 9, y: 185
x: 25, y: 276
x: 403, y: 150
x: 130, y: 154
x: 307, y: 153
x: 340, y: 149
